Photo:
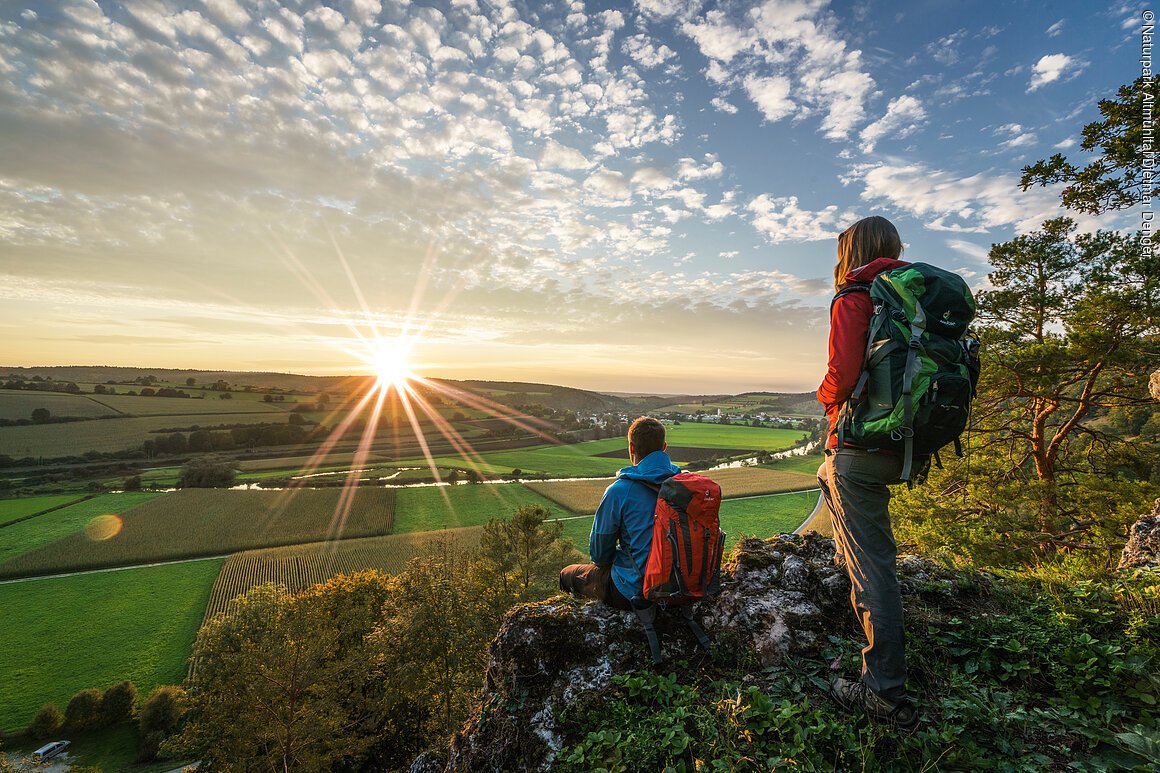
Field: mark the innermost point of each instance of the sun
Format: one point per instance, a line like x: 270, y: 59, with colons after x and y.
x: 389, y: 360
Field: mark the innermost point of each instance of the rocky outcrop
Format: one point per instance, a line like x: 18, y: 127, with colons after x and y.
x: 1143, y: 548
x: 782, y: 598
x: 1154, y: 384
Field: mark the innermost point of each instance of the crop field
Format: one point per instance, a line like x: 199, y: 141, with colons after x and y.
x: 176, y: 406
x: 584, y: 459
x: 754, y: 402
x: 583, y: 496
x: 448, y: 507
x: 17, y: 539
x: 300, y: 566
x: 208, y: 522
x: 74, y: 438
x: 764, y: 516
x: 65, y: 634
x: 14, y: 509
x: 19, y: 404
x: 807, y: 464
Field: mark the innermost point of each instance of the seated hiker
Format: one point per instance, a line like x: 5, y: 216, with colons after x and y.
x: 622, y: 532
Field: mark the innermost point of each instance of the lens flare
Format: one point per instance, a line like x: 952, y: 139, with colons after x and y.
x: 103, y: 527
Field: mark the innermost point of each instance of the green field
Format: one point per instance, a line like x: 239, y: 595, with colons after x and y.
x: 447, y: 507
x: 107, y: 435
x: 580, y: 459
x: 805, y: 464
x: 19, y: 404
x: 300, y: 566
x: 13, y: 509
x: 210, y: 522
x: 174, y: 406
x: 65, y: 634
x: 20, y: 538
x: 763, y: 516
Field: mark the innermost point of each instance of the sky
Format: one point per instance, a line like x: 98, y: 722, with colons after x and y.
x: 636, y: 197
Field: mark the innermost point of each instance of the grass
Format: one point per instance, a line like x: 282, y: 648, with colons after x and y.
x: 176, y: 406
x: 804, y: 464
x: 65, y: 634
x: 19, y: 404
x: 764, y: 516
x: 583, y: 496
x: 300, y: 566
x: 109, y: 749
x: 209, y: 522
x: 427, y: 509
x: 13, y: 509
x: 121, y: 434
x: 20, y: 538
x: 580, y: 459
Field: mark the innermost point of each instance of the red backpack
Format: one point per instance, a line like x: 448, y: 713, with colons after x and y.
x: 684, y: 563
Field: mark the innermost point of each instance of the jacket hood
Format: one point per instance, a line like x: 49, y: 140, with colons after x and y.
x: 654, y: 468
x: 874, y: 268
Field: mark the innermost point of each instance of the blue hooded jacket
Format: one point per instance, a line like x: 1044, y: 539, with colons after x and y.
x: 622, y: 531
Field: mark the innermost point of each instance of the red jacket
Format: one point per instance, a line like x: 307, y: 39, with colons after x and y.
x: 849, y: 324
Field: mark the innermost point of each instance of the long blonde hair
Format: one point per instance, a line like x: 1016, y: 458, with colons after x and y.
x: 869, y: 238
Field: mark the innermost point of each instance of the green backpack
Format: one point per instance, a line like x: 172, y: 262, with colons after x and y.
x: 921, y: 366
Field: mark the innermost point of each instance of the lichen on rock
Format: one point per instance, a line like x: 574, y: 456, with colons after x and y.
x: 1143, y: 548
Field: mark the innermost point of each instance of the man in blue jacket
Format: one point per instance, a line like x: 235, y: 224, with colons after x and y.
x: 622, y: 532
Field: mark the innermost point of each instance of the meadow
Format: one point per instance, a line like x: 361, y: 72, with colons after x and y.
x: 431, y: 508
x: 108, y: 435
x: 585, y: 459
x: 16, y: 509
x: 16, y: 539
x: 18, y: 404
x: 177, y: 406
x: 764, y: 516
x: 583, y: 496
x: 209, y: 522
x: 300, y: 566
x: 94, y: 630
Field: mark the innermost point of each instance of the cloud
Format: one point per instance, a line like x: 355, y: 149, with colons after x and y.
x: 688, y: 169
x: 975, y: 203
x: 1055, y: 29
x: 771, y: 95
x: 970, y: 249
x: 1051, y: 68
x: 788, y: 58
x: 904, y: 116
x: 722, y: 105
x: 780, y: 219
x: 645, y: 53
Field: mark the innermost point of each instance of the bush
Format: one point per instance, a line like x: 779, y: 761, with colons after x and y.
x: 160, y: 716
x: 118, y: 703
x: 47, y: 722
x: 207, y: 472
x: 132, y: 483
x: 83, y: 711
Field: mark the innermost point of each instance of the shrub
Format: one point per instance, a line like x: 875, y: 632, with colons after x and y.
x: 46, y: 722
x: 118, y: 703
x: 160, y: 716
x: 83, y: 711
x: 133, y: 483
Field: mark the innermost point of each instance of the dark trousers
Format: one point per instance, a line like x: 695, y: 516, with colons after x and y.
x: 854, y: 483
x: 593, y: 582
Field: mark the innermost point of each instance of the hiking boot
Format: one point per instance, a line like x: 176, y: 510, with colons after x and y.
x: 853, y: 694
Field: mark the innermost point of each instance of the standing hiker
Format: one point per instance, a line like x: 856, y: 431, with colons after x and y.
x: 623, y: 527
x: 854, y: 482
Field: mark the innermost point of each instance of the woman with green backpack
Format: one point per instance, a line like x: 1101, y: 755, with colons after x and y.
x: 854, y: 480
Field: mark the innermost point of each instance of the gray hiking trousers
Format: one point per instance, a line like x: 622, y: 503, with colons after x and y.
x: 854, y: 483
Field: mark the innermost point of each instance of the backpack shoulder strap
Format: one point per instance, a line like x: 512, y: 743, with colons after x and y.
x: 849, y: 287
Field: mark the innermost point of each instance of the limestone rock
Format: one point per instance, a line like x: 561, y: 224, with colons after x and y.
x: 780, y: 597
x: 1154, y: 384
x: 1143, y: 548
